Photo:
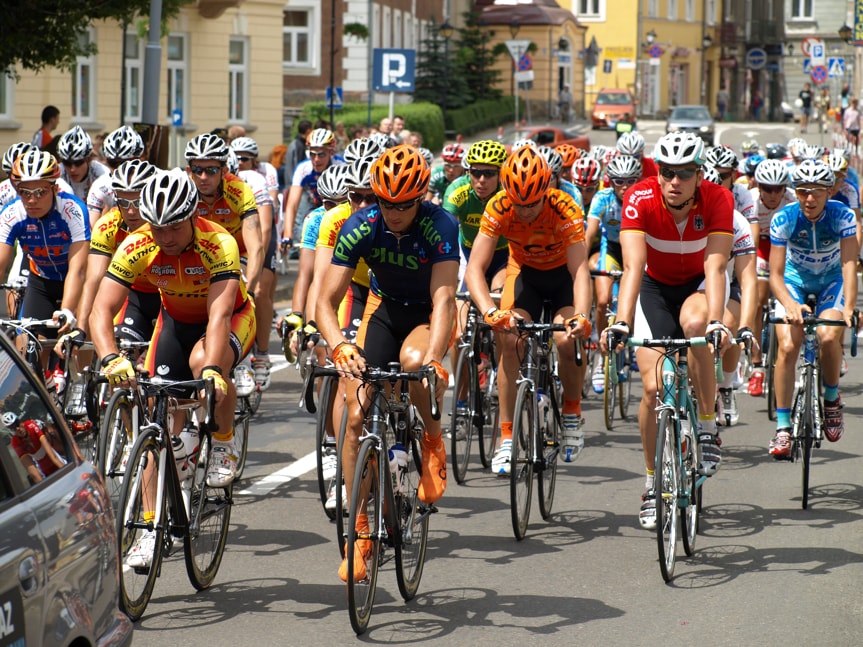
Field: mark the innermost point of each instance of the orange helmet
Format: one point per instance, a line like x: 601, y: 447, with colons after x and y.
x: 400, y: 174
x: 525, y: 176
x: 569, y: 153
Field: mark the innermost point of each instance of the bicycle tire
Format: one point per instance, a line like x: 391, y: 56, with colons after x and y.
x: 341, y: 486
x: 807, y: 438
x: 116, y: 438
x: 770, y: 372
x: 322, y: 448
x: 136, y: 584
x: 609, y: 392
x: 666, y: 486
x: 209, y: 519
x: 462, y: 424
x: 241, y: 435
x: 624, y: 382
x: 255, y: 400
x: 413, y: 520
x: 521, y: 459
x: 490, y: 431
x: 366, y: 498
x: 689, y: 520
x: 546, y: 478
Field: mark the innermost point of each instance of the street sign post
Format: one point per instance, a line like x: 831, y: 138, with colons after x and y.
x: 819, y: 74
x: 336, y: 101
x: 394, y: 70
x: 517, y: 49
x: 756, y: 58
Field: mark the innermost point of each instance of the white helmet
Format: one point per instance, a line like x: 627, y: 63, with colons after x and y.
x: 796, y: 145
x: 245, y: 145
x: 332, y: 183
x: 679, y: 148
x: 9, y: 419
x: 812, y: 172
x: 427, y: 154
x: 123, y: 144
x: 74, y: 145
x: 132, y: 175
x: 362, y: 147
x: 631, y: 143
x: 555, y: 161
x: 232, y: 163
x: 772, y: 173
x: 711, y: 174
x: 321, y: 138
x: 207, y: 146
x: 13, y: 153
x: 721, y: 157
x: 169, y: 197
x: 813, y: 152
x: 623, y: 167
x: 523, y: 141
x: 360, y: 174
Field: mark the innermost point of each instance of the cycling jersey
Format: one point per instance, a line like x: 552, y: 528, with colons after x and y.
x: 236, y: 203
x: 328, y: 234
x: 312, y: 228
x: 258, y: 184
x: 270, y: 175
x: 438, y: 183
x: 82, y: 188
x: 101, y: 194
x: 401, y: 265
x: 765, y: 215
x: 31, y: 445
x: 569, y: 188
x: 107, y: 235
x: 183, y: 280
x: 606, y: 208
x: 848, y: 195
x: 306, y: 176
x: 540, y: 244
x: 46, y: 241
x: 744, y: 203
x: 743, y: 243
x: 461, y: 201
x: 675, y: 253
x: 812, y: 248
x: 648, y: 168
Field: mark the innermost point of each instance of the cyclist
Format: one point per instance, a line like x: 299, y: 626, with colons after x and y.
x: 547, y: 261
x: 80, y: 170
x: 747, y: 178
x: 33, y: 446
x: 412, y: 250
x: 723, y: 159
x: 844, y: 190
x: 770, y: 195
x: 676, y: 237
x: 813, y: 251
x: 569, y: 154
x: 555, y: 165
x: 228, y: 201
x: 451, y: 169
x: 603, y: 224
x: 120, y: 145
x: 586, y: 174
x: 633, y: 144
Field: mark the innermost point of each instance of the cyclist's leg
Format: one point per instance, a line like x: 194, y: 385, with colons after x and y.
x: 789, y: 339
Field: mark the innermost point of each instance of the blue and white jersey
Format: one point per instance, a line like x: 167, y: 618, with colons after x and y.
x: 46, y: 241
x: 306, y: 176
x: 812, y: 256
x: 606, y: 208
x: 568, y: 187
x: 312, y: 227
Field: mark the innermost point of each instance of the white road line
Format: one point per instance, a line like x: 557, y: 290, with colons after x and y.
x: 293, y: 471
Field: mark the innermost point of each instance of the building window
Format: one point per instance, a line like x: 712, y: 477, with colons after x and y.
x: 386, y: 28
x: 652, y: 8
x: 297, y: 38
x: 408, y: 31
x: 84, y: 83
x: 801, y: 9
x: 710, y: 8
x: 690, y: 10
x: 178, y: 74
x: 376, y: 29
x: 134, y: 76
x: 397, y: 28
x: 7, y: 96
x: 238, y: 80
x: 672, y: 9
x: 590, y: 8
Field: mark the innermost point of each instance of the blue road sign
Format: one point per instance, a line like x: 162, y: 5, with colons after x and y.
x: 819, y: 74
x: 756, y: 58
x: 836, y: 67
x: 336, y: 102
x: 177, y: 118
x: 394, y: 70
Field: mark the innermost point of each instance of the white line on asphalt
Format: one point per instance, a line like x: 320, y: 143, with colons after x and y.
x: 293, y: 471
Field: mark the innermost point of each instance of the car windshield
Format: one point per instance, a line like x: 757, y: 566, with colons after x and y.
x: 613, y: 99
x: 690, y: 113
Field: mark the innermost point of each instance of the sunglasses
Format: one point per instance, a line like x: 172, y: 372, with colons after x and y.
x: 477, y: 173
x: 814, y: 192
x: 244, y: 158
x: 768, y: 188
x: 205, y: 170
x: 588, y: 187
x: 74, y: 163
x: 726, y: 175
x: 452, y: 165
x: 358, y: 197
x: 32, y: 193
x: 318, y: 153
x: 123, y: 203
x: 682, y: 173
x: 527, y: 206
x: 398, y: 206
x: 624, y: 181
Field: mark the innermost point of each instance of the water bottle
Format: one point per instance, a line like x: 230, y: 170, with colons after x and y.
x: 398, y: 466
x: 180, y: 456
x: 685, y: 434
x: 543, y: 407
x: 59, y: 380
x: 75, y: 405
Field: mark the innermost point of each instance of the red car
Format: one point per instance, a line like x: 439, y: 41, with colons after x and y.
x: 610, y: 106
x: 549, y: 136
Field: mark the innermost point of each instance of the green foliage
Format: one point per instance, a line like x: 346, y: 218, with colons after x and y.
x: 482, y: 115
x: 475, y: 60
x: 36, y: 34
x: 357, y: 29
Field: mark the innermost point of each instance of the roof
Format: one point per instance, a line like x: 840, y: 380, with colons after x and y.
x: 522, y: 12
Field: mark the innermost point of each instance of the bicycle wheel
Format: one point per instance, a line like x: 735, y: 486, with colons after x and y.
x: 116, y: 438
x: 413, y: 521
x: 546, y: 478
x: 624, y: 381
x: 521, y: 460
x: 209, y: 517
x: 464, y: 399
x: 324, y: 449
x: 769, y: 372
x: 807, y: 434
x: 490, y: 430
x: 689, y: 519
x: 241, y: 435
x: 666, y: 485
x: 142, y: 476
x: 610, y: 391
x: 341, y: 512
x: 363, y: 543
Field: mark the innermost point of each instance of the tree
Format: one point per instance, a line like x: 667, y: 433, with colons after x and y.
x: 36, y: 34
x: 475, y: 60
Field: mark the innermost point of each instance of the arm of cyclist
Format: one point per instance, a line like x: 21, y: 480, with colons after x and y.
x: 582, y: 295
x: 109, y: 299
x: 254, y: 250
x: 634, y: 250
x: 220, y: 307
x: 716, y: 255
x: 442, y: 288
x: 97, y: 264
x: 480, y: 258
x: 747, y: 276
x: 848, y: 257
x: 793, y: 310
x: 347, y: 357
x: 73, y: 285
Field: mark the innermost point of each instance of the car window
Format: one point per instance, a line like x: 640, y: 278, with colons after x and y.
x: 690, y: 113
x: 613, y: 99
x: 544, y: 137
x: 30, y: 439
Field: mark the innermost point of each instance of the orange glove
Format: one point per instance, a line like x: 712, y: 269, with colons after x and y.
x: 500, y: 319
x: 442, y: 374
x: 580, y: 320
x: 345, y: 352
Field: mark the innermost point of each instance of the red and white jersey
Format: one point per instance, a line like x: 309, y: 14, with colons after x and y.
x: 765, y: 215
x: 675, y: 252
x: 743, y: 243
x: 268, y: 171
x: 743, y: 202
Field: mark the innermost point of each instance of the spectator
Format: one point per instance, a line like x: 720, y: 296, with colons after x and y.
x: 822, y: 108
x: 386, y: 126
x: 756, y: 105
x: 50, y: 121
x: 564, y: 103
x: 722, y: 103
x: 851, y: 122
x: 234, y: 132
x: 844, y: 98
x: 296, y: 151
x: 341, y: 136
x: 398, y: 128
x: 624, y: 125
x: 805, y: 106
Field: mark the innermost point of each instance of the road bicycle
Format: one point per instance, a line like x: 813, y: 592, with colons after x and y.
x: 678, y: 486
x: 385, y: 491
x: 768, y: 358
x: 25, y: 331
x: 475, y: 407
x: 185, y: 508
x: 537, y: 423
x: 807, y: 410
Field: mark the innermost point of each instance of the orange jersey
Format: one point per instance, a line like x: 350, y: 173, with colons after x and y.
x: 236, y: 203
x: 108, y: 233
x: 540, y: 244
x: 183, y: 281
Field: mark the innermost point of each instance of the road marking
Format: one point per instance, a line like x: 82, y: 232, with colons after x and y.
x: 293, y: 471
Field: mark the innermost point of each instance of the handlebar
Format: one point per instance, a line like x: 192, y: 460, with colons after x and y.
x: 612, y: 274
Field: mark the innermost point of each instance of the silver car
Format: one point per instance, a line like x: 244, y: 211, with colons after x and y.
x: 692, y: 119
x: 58, y: 546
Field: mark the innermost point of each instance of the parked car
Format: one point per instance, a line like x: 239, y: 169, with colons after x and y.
x: 693, y: 119
x: 59, y: 565
x: 610, y: 106
x: 548, y: 136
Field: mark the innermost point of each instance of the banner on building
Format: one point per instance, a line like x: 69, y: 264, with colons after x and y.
x: 858, y: 22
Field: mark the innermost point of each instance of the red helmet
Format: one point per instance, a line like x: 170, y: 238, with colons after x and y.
x: 586, y: 171
x: 453, y: 153
x: 525, y: 176
x: 400, y: 174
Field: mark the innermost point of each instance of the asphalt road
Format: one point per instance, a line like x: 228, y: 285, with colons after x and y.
x: 765, y: 572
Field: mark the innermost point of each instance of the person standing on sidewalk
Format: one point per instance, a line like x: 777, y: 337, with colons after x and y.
x: 805, y: 106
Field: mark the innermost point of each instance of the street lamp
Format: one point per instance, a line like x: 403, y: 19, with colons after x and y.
x: 707, y: 41
x: 445, y: 31
x: 845, y: 33
x: 513, y: 30
x: 650, y: 37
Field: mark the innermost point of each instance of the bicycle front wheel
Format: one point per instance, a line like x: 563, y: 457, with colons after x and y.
x: 116, y: 437
x: 413, y: 522
x: 769, y: 372
x: 521, y: 460
x: 692, y: 493
x: 667, y: 475
x: 139, y: 569
x: 209, y: 513
x: 611, y: 387
x: 363, y: 538
x: 490, y: 407
x: 624, y: 379
x: 241, y: 434
x: 546, y: 479
x: 806, y: 434
x: 324, y: 449
x: 464, y: 400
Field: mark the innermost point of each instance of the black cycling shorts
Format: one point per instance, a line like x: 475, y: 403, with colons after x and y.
x: 385, y: 326
x: 527, y: 288
x: 658, y: 310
